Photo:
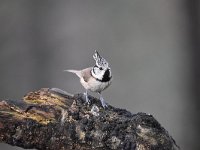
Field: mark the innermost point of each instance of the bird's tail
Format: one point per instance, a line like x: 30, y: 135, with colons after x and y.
x: 77, y: 72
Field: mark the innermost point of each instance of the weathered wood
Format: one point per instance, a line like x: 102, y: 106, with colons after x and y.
x: 53, y: 119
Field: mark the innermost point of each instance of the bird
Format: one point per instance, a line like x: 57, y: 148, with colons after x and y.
x: 96, y: 78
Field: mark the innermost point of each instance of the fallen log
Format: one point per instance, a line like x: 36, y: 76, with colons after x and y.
x: 52, y: 119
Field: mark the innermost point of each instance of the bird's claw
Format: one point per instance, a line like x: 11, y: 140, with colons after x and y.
x: 87, y: 100
x: 103, y: 103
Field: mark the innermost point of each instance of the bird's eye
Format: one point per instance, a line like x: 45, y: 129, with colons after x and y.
x: 101, y: 68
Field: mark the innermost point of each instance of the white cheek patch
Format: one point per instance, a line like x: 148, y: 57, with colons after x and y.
x: 98, y: 74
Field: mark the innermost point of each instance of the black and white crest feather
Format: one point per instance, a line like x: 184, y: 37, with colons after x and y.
x: 100, y: 61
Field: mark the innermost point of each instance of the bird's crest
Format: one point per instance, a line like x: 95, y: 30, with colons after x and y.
x: 100, y: 61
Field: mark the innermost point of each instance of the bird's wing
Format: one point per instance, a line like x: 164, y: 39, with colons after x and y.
x: 86, y: 74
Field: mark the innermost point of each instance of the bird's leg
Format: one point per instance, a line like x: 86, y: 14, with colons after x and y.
x: 86, y: 97
x: 103, y: 103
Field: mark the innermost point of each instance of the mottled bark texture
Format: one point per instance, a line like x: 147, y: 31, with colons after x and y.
x: 53, y: 119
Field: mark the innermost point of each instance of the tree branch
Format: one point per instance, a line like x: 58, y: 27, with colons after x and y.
x: 54, y: 119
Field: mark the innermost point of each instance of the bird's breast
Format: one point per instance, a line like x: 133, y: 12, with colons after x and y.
x: 94, y: 85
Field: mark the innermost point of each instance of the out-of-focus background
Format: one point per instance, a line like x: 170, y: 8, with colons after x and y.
x: 152, y: 46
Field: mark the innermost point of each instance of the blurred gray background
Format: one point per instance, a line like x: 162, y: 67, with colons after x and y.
x: 152, y: 47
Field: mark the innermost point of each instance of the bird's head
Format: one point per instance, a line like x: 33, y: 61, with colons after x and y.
x: 101, y: 69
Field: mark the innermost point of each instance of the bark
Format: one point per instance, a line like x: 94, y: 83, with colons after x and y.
x: 52, y: 119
